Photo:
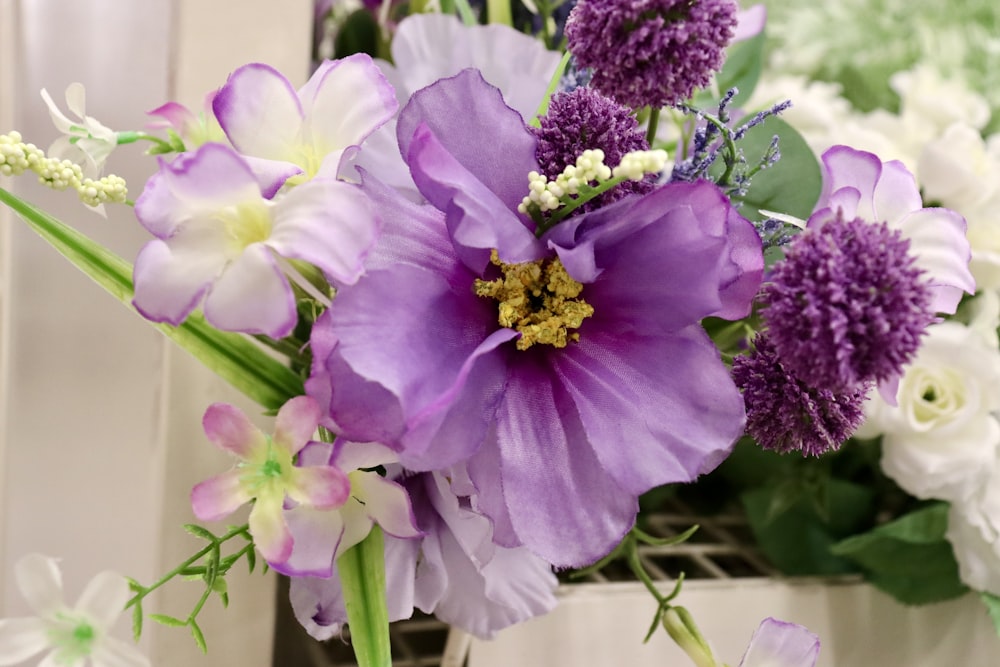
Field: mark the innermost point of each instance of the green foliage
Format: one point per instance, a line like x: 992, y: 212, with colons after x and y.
x: 358, y: 34
x: 742, y: 69
x: 992, y: 603
x: 233, y: 357
x: 909, y: 558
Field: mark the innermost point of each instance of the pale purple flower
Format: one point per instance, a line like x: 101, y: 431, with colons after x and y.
x: 323, y: 535
x: 560, y: 441
x: 193, y: 128
x: 283, y: 131
x: 73, y: 636
x: 218, y: 239
x: 266, y: 473
x: 453, y: 570
x: 781, y: 644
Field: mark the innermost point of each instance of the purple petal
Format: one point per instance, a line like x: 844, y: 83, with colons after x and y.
x: 656, y: 410
x: 334, y: 124
x: 896, y: 193
x: 779, y: 644
x: 316, y: 534
x: 271, y: 174
x: 845, y: 167
x: 387, y: 503
x: 260, y: 112
x: 270, y: 533
x: 750, y: 22
x: 296, y: 423
x: 228, y: 428
x: 219, y: 496
x: 562, y: 503
x: 322, y: 487
x: 328, y: 223
x: 461, y: 111
x: 478, y: 221
x: 173, y: 115
x: 253, y: 296
x: 742, y: 274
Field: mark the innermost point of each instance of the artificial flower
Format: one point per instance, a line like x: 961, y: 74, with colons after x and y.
x: 193, y: 128
x: 309, y: 131
x: 454, y: 570
x: 266, y: 473
x: 420, y: 362
x: 323, y: 535
x: 974, y: 533
x: 218, y: 240
x: 85, y: 141
x: 74, y: 636
x: 781, y: 644
x: 941, y: 440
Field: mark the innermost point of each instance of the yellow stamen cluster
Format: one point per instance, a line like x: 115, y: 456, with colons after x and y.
x: 16, y: 157
x: 538, y: 299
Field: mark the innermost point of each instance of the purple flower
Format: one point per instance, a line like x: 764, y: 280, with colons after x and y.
x: 846, y: 305
x: 786, y: 415
x: 560, y: 438
x: 651, y: 52
x: 583, y: 119
x: 781, y: 644
x: 283, y: 131
x: 218, y: 238
x: 454, y: 571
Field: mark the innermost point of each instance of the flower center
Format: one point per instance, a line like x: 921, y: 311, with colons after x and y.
x: 537, y: 299
x: 267, y: 473
x: 246, y: 223
x: 72, y: 638
x: 938, y: 396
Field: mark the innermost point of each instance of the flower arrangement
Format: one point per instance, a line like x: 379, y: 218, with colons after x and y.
x: 492, y: 302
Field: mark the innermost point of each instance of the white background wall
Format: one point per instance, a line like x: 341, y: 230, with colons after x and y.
x: 100, y: 436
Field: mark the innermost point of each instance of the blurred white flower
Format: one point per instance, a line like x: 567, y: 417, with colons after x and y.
x: 941, y: 440
x: 85, y: 141
x: 974, y: 533
x: 74, y: 636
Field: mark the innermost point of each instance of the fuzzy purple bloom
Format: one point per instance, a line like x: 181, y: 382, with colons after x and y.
x: 559, y: 440
x: 847, y: 305
x: 584, y: 119
x: 786, y: 415
x: 651, y: 52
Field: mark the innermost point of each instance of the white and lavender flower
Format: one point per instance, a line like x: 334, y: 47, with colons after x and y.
x: 541, y: 425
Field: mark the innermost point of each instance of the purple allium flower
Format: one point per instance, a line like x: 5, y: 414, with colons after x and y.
x: 786, y: 415
x: 651, y: 52
x: 453, y: 571
x: 560, y: 439
x: 583, y: 119
x: 846, y: 305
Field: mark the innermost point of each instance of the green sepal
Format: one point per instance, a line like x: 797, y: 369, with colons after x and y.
x: 992, y: 603
x: 362, y: 576
x: 909, y: 558
x: 233, y: 357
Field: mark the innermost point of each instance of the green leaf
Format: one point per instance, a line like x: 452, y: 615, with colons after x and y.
x: 199, y: 531
x: 171, y: 621
x: 358, y: 34
x: 909, y: 558
x: 792, y: 185
x: 220, y: 587
x: 137, y: 621
x: 199, y: 637
x: 362, y: 576
x: 233, y: 357
x: 992, y: 603
x: 251, y: 560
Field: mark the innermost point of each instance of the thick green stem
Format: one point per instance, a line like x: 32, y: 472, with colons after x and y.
x: 362, y: 576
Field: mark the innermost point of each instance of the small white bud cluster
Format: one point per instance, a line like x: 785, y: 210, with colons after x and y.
x: 636, y: 165
x: 16, y: 157
x: 547, y: 195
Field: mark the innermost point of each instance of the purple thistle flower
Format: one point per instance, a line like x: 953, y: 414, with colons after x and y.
x: 651, y: 52
x: 584, y: 119
x: 847, y: 305
x: 559, y: 440
x: 786, y: 415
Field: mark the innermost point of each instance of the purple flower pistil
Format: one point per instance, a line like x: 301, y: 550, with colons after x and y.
x: 537, y: 299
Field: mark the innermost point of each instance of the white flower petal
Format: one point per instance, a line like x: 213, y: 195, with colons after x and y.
x: 253, y: 296
x: 21, y: 638
x: 76, y: 99
x: 62, y: 123
x: 40, y: 582
x: 103, y: 600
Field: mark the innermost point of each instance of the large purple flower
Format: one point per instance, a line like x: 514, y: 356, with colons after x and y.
x: 564, y: 416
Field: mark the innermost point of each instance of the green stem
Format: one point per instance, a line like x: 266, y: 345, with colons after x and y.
x: 543, y: 108
x: 362, y: 576
x: 498, y: 11
x: 654, y: 121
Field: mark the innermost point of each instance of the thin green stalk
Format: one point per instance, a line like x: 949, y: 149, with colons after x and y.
x: 654, y: 121
x: 362, y: 575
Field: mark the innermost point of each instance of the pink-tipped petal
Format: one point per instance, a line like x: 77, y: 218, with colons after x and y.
x: 296, y: 423
x: 253, y: 296
x: 270, y: 533
x: 316, y: 534
x: 219, y: 496
x: 779, y: 644
x: 328, y: 223
x: 938, y: 242
x: 387, y: 503
x: 231, y: 430
x: 260, y: 112
x: 40, y: 583
x: 846, y: 167
x: 351, y: 99
x: 322, y: 487
x: 104, y: 598
x: 21, y: 638
x: 172, y: 115
x: 896, y: 193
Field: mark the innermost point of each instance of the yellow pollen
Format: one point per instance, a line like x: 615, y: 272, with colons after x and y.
x: 537, y: 299
x: 246, y: 223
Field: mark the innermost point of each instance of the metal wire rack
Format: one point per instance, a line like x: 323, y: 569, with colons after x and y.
x: 720, y: 549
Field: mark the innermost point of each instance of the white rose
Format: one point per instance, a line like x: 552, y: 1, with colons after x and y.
x: 938, y: 101
x: 941, y: 440
x: 957, y: 170
x: 972, y: 531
